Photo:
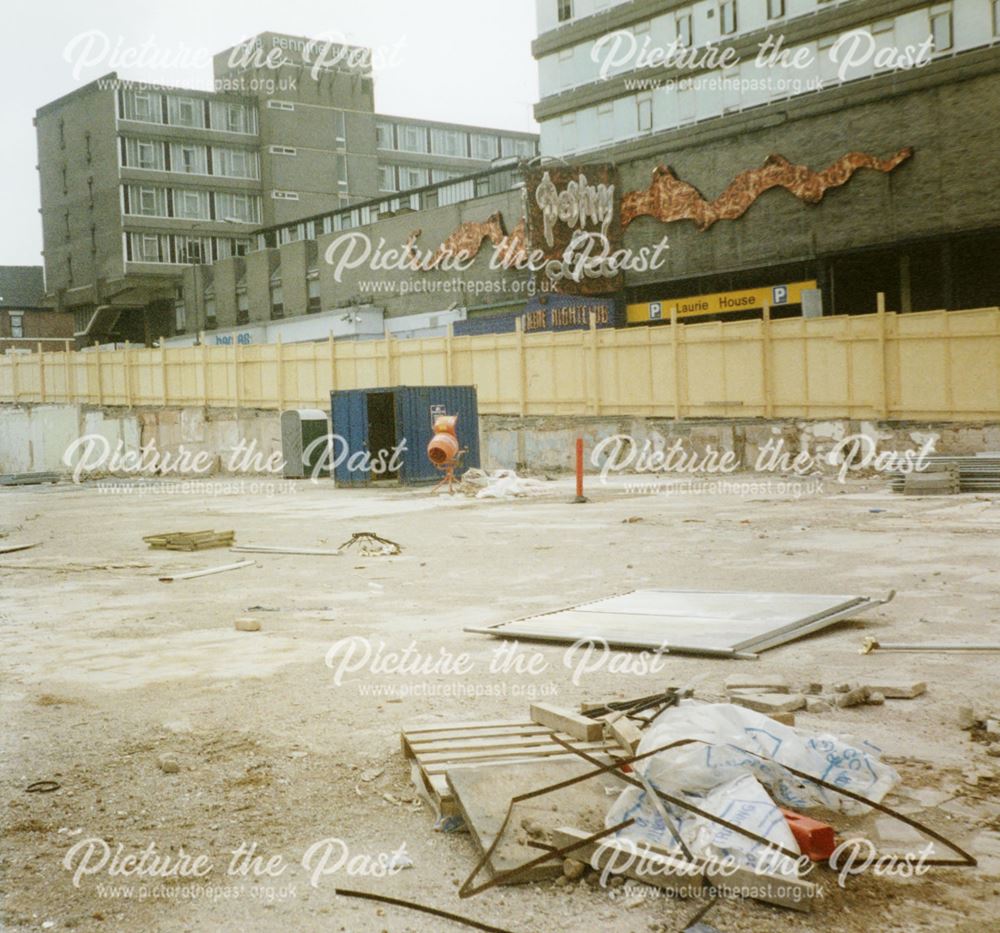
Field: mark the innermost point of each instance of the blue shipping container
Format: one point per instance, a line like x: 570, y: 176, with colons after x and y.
x: 384, y: 433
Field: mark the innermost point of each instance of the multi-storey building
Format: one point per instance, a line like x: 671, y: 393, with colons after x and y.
x: 700, y: 102
x: 139, y: 182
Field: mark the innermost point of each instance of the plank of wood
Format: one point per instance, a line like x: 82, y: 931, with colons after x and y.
x: 415, y: 728
x: 204, y: 573
x: 566, y: 720
x: 625, y: 732
x: 427, y: 738
x: 11, y: 548
x: 264, y: 549
x: 483, y: 794
x: 538, y: 750
x: 499, y: 742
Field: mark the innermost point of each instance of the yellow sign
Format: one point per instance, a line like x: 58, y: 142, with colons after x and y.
x: 749, y: 299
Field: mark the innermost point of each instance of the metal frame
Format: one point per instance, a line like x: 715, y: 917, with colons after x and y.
x: 841, y: 607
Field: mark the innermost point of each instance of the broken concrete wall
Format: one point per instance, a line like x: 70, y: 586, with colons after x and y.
x: 33, y: 438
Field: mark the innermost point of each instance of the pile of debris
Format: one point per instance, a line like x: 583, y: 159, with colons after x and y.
x: 647, y: 789
x: 945, y: 475
x: 772, y: 695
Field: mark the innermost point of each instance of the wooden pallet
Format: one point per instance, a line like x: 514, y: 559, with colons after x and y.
x: 436, y: 747
x: 190, y: 540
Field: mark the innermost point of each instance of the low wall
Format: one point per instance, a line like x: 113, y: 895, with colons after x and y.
x: 34, y: 438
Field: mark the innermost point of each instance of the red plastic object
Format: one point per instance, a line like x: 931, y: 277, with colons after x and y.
x: 815, y: 838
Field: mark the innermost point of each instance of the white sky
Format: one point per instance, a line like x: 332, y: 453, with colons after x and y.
x: 463, y: 60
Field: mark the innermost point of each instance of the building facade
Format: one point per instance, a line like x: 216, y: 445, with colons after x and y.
x: 706, y: 106
x: 26, y: 322
x: 140, y: 182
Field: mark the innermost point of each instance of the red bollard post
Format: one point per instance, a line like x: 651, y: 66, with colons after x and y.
x: 580, y: 497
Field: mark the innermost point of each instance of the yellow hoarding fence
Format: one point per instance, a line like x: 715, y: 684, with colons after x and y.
x: 931, y: 365
x: 748, y: 299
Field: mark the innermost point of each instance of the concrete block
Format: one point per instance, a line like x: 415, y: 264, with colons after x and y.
x: 893, y: 689
x: 769, y: 683
x: 770, y: 703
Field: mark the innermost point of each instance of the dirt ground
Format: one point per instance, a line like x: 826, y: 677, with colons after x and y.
x: 105, y: 669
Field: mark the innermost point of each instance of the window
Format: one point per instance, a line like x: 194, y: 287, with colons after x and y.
x: 234, y: 163
x: 242, y: 306
x: 412, y: 178
x: 211, y: 321
x: 277, y: 300
x: 282, y: 150
x: 147, y: 154
x: 941, y: 31
x: 567, y: 126
x: 191, y: 249
x: 564, y: 10
x: 16, y: 325
x: 484, y: 146
x: 449, y: 143
x: 412, y: 138
x: 341, y: 170
x: 284, y: 195
x: 387, y: 178
x: 775, y: 9
x: 143, y: 106
x: 280, y: 105
x: 191, y: 205
x: 996, y: 17
x: 644, y: 112
x: 236, y: 207
x: 180, y: 313
x: 188, y: 158
x: 685, y: 32
x: 146, y: 200
x: 727, y: 17
x: 524, y: 148
x: 185, y: 111
x: 605, y: 122
x: 315, y: 303
x: 340, y: 129
x: 145, y: 247
x: 384, y: 137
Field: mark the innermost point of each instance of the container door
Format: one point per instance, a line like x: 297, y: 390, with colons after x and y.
x: 416, y: 407
x: 349, y: 424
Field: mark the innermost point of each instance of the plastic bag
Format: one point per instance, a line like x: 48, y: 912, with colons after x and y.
x: 713, y: 776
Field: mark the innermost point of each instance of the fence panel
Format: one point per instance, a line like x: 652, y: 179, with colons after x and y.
x: 928, y: 365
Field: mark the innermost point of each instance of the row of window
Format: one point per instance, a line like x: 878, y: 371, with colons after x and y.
x: 716, y: 93
x: 276, y: 296
x: 404, y: 177
x: 581, y: 64
x: 191, y: 204
x: 462, y: 189
x: 188, y: 158
x: 181, y: 249
x: 191, y: 112
x: 462, y: 144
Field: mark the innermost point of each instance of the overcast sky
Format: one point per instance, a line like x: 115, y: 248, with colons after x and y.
x: 463, y: 60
